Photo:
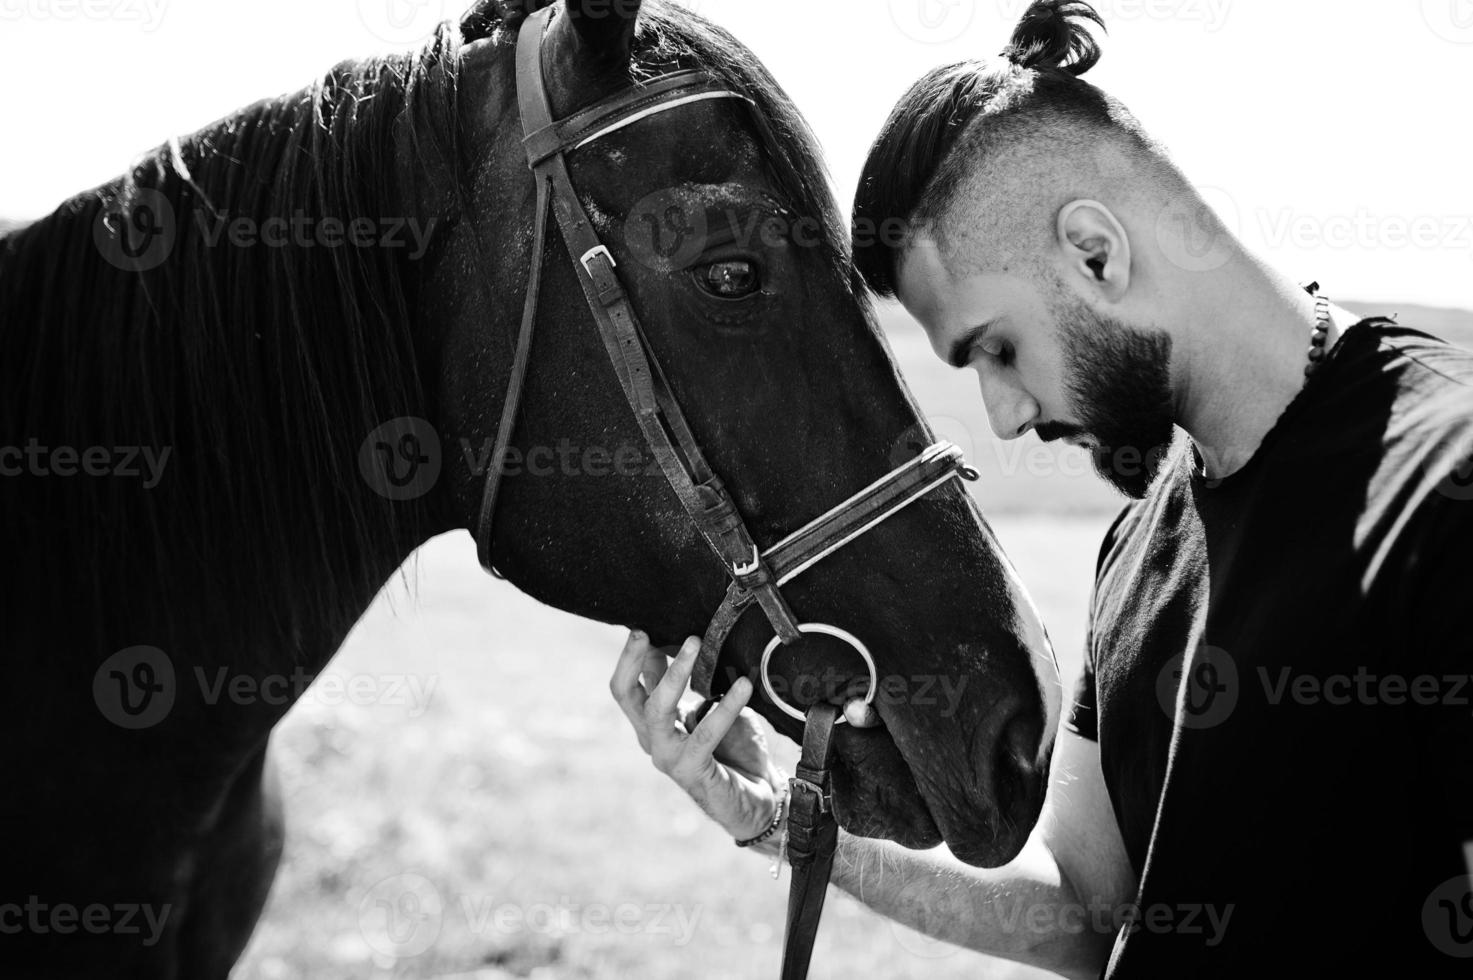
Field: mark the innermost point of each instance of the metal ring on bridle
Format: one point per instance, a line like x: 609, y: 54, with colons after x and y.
x: 826, y: 630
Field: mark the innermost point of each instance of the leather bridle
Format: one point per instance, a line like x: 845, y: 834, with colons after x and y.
x: 757, y: 575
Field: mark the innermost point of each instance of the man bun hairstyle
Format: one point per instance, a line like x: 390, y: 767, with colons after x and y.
x: 959, y: 115
x: 1053, y: 35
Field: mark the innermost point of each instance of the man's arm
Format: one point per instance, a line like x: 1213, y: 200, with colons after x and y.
x: 1054, y: 906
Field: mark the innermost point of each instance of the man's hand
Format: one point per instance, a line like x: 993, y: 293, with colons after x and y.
x: 1074, y: 859
x: 723, y: 762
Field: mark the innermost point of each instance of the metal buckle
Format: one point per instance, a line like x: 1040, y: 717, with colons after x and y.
x: 587, y: 258
x: 739, y: 570
x: 826, y: 630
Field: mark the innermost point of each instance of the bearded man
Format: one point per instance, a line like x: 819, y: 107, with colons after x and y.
x: 1270, y: 754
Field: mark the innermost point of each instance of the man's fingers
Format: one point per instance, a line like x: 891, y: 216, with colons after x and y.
x: 625, y: 686
x: 631, y: 662
x: 660, y: 709
x: 656, y: 662
x: 861, y: 715
x: 718, y: 720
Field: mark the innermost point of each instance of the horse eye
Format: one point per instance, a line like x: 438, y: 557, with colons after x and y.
x: 736, y: 279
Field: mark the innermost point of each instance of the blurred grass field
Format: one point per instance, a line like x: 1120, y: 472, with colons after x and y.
x: 504, y: 823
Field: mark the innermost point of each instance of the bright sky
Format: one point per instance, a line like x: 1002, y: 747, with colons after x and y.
x: 1334, y: 135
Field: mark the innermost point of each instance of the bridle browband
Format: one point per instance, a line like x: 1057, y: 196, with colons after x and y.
x: 756, y: 575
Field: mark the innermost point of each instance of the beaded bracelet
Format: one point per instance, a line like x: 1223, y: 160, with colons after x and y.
x: 777, y: 819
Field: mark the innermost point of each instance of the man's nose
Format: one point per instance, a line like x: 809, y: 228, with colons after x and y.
x: 1010, y: 409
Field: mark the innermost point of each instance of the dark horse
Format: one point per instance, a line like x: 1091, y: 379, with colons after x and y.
x: 201, y: 368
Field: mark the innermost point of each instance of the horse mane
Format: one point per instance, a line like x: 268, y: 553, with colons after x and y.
x: 263, y: 369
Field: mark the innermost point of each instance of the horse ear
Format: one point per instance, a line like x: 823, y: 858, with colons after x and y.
x: 605, y: 28
x: 484, y: 17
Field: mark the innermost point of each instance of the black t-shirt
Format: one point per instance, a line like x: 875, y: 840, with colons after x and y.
x: 1278, y: 676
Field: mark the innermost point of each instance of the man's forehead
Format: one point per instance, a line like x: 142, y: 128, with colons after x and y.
x: 924, y: 284
x: 947, y: 301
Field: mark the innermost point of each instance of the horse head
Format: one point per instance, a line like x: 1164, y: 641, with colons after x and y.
x: 717, y: 216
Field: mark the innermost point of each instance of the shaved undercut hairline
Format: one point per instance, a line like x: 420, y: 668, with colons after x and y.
x: 994, y: 202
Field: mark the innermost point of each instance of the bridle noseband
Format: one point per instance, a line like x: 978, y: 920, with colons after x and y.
x: 756, y: 575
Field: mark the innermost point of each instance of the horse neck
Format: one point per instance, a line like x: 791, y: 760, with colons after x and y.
x: 251, y: 377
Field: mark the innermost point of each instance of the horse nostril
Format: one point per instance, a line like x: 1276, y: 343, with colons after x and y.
x: 1016, y: 754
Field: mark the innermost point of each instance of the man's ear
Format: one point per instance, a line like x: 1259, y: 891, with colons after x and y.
x: 1095, y: 247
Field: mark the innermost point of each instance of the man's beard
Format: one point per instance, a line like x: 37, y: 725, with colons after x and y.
x: 1119, y: 383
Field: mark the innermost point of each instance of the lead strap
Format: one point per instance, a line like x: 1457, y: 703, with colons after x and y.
x: 813, y: 836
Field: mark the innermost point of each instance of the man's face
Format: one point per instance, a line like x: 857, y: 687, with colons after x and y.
x: 1047, y: 362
